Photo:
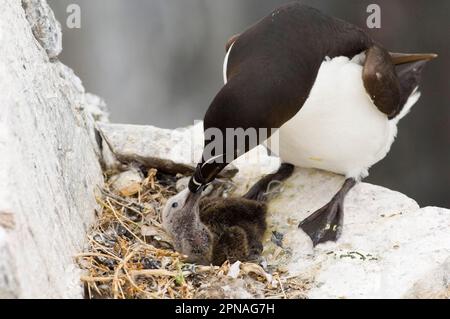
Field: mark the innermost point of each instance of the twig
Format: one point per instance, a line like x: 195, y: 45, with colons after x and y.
x: 281, y: 286
x: 96, y: 255
x: 96, y: 279
x: 116, y: 280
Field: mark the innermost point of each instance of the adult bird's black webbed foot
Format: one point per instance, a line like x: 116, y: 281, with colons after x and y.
x: 326, y: 223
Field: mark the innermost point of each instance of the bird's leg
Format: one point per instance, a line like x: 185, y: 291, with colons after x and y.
x: 326, y: 223
x: 258, y: 191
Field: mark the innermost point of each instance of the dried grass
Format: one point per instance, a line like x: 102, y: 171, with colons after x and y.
x: 130, y: 256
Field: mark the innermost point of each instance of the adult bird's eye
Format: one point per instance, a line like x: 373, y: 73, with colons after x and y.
x: 175, y: 205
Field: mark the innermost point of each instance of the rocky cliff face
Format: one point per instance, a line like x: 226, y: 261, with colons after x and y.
x: 49, y: 157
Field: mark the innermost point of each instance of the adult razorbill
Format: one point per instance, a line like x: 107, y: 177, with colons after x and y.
x: 334, y: 94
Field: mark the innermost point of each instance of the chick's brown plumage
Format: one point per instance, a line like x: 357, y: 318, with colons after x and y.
x: 237, y: 226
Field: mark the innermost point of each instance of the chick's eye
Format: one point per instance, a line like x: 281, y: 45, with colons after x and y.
x: 175, y: 205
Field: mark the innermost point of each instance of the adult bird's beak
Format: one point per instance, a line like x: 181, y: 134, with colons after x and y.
x: 192, y: 200
x: 402, y: 58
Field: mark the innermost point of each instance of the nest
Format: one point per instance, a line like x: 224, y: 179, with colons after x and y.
x: 129, y: 256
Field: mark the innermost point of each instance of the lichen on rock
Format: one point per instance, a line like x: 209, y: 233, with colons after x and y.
x: 45, y: 27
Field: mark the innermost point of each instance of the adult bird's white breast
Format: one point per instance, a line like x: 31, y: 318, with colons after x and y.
x: 338, y: 129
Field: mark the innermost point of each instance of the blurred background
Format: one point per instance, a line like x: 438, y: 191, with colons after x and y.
x: 159, y: 62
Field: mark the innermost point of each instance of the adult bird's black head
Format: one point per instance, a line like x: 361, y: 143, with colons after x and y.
x: 333, y: 93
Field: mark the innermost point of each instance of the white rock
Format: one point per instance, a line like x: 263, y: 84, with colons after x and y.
x: 231, y: 288
x: 234, y: 270
x: 127, y: 183
x: 436, y: 284
x: 390, y: 248
x: 49, y: 165
x: 172, y: 151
